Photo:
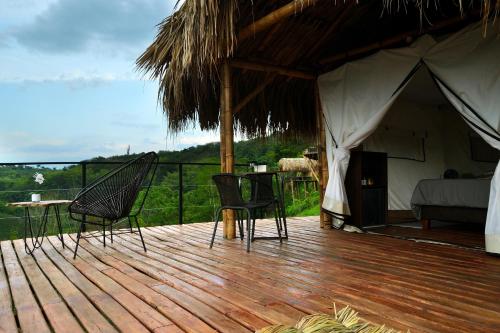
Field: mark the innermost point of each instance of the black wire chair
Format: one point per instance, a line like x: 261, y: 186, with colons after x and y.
x: 111, y: 198
x: 262, y: 190
x: 228, y: 186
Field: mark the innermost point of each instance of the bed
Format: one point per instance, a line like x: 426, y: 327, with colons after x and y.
x: 457, y: 200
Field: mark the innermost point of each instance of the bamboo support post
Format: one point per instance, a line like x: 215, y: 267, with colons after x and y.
x: 227, y: 140
x: 325, y: 219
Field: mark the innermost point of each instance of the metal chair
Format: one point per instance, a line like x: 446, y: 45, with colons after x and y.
x: 262, y: 190
x: 228, y: 186
x: 111, y: 198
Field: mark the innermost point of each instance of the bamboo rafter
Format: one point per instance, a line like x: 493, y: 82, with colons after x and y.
x: 255, y: 66
x: 273, y: 17
x: 252, y: 94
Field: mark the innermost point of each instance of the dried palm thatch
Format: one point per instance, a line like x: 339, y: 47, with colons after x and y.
x: 191, y: 44
x: 343, y: 321
x: 298, y: 164
x: 184, y: 58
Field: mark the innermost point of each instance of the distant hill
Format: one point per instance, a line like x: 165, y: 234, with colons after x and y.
x: 264, y: 151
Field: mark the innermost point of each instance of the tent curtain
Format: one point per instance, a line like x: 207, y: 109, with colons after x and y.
x: 356, y: 97
x: 354, y: 102
x: 467, y: 66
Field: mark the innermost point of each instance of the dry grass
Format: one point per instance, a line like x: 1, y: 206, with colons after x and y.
x: 343, y: 321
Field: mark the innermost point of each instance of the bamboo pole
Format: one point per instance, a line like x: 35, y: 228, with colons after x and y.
x: 227, y: 136
x: 255, y: 66
x: 222, y: 131
x: 222, y: 147
x: 273, y: 17
x: 324, y: 218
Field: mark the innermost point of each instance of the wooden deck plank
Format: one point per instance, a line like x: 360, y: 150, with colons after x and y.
x: 177, y: 290
x: 7, y: 317
x: 155, y: 296
x: 422, y: 293
x: 60, y: 317
x: 30, y: 315
x: 403, y: 284
x: 148, y: 316
x: 346, y: 298
x: 122, y: 319
x: 153, y: 265
x: 340, y: 298
x: 88, y: 315
x: 479, y: 315
x: 293, y: 299
x: 235, y: 284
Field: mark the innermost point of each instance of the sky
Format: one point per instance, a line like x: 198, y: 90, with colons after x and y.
x: 69, y: 89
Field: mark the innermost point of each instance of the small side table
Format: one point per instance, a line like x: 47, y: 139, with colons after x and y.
x: 37, y: 238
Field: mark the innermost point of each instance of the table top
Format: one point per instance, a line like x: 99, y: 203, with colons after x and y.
x: 43, y: 203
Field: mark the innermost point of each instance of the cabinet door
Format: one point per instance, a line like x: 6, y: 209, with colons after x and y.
x: 373, y: 206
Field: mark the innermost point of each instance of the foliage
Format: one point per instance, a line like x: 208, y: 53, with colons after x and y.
x: 161, y: 206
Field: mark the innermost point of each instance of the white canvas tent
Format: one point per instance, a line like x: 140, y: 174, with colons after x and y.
x: 356, y: 98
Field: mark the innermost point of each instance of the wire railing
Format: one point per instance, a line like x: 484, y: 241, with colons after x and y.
x: 182, y: 192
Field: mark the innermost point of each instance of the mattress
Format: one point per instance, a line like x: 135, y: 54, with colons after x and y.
x: 472, y: 193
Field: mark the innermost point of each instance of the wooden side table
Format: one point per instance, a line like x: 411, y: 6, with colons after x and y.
x: 37, y: 237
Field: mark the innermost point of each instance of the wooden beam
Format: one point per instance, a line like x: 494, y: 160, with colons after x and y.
x: 227, y: 141
x: 253, y: 94
x: 325, y: 219
x: 405, y: 36
x: 273, y: 17
x: 279, y: 70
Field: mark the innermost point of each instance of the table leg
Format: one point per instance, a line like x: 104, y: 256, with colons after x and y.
x: 59, y: 225
x: 42, y: 229
x: 27, y: 221
x: 36, y: 242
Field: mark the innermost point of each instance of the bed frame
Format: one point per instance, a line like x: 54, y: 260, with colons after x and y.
x: 451, y: 214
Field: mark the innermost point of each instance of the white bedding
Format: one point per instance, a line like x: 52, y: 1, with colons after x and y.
x: 451, y: 193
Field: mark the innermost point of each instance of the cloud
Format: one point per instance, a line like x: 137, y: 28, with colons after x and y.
x: 23, y: 146
x: 76, y: 26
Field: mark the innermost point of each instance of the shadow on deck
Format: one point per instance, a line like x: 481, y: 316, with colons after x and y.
x: 180, y: 285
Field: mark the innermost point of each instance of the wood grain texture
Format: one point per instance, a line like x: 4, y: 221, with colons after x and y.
x: 29, y: 314
x: 7, y: 319
x: 179, y: 285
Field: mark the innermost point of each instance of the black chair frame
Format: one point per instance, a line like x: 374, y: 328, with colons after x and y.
x: 127, y: 214
x: 278, y: 199
x: 240, y: 205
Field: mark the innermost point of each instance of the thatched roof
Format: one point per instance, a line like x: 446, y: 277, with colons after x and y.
x: 191, y: 44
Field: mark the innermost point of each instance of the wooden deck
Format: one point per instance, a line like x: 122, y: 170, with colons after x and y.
x: 180, y: 285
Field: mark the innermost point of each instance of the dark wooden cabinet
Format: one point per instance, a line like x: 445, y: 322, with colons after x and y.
x: 366, y: 186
